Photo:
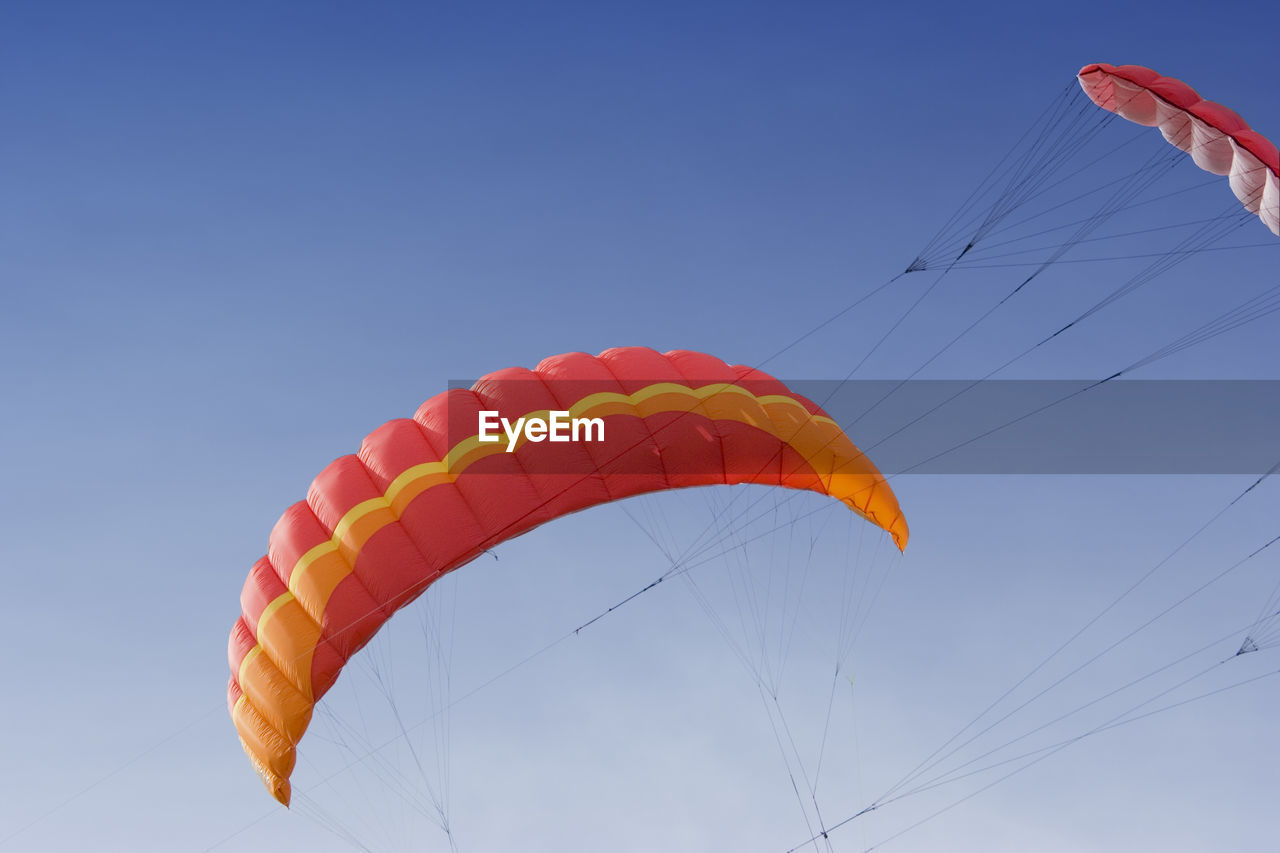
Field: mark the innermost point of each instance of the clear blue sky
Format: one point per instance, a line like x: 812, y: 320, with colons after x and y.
x: 237, y: 237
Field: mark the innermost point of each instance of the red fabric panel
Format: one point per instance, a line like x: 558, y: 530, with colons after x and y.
x: 296, y: 533
x: 351, y: 619
x: 238, y: 645
x: 261, y: 588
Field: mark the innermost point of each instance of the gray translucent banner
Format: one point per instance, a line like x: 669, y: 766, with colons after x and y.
x: 1058, y: 427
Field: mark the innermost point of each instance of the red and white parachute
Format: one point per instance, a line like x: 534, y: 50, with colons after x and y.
x: 1218, y: 140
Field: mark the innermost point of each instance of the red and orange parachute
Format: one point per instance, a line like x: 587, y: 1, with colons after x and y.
x: 426, y: 495
x: 1218, y: 140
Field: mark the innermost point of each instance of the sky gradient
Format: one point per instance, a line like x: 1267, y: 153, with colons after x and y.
x: 237, y: 237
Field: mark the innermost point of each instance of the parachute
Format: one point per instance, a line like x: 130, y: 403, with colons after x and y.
x: 1218, y: 140
x: 427, y: 495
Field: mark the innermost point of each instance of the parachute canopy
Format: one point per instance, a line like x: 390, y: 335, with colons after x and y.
x: 426, y: 495
x: 1218, y: 140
